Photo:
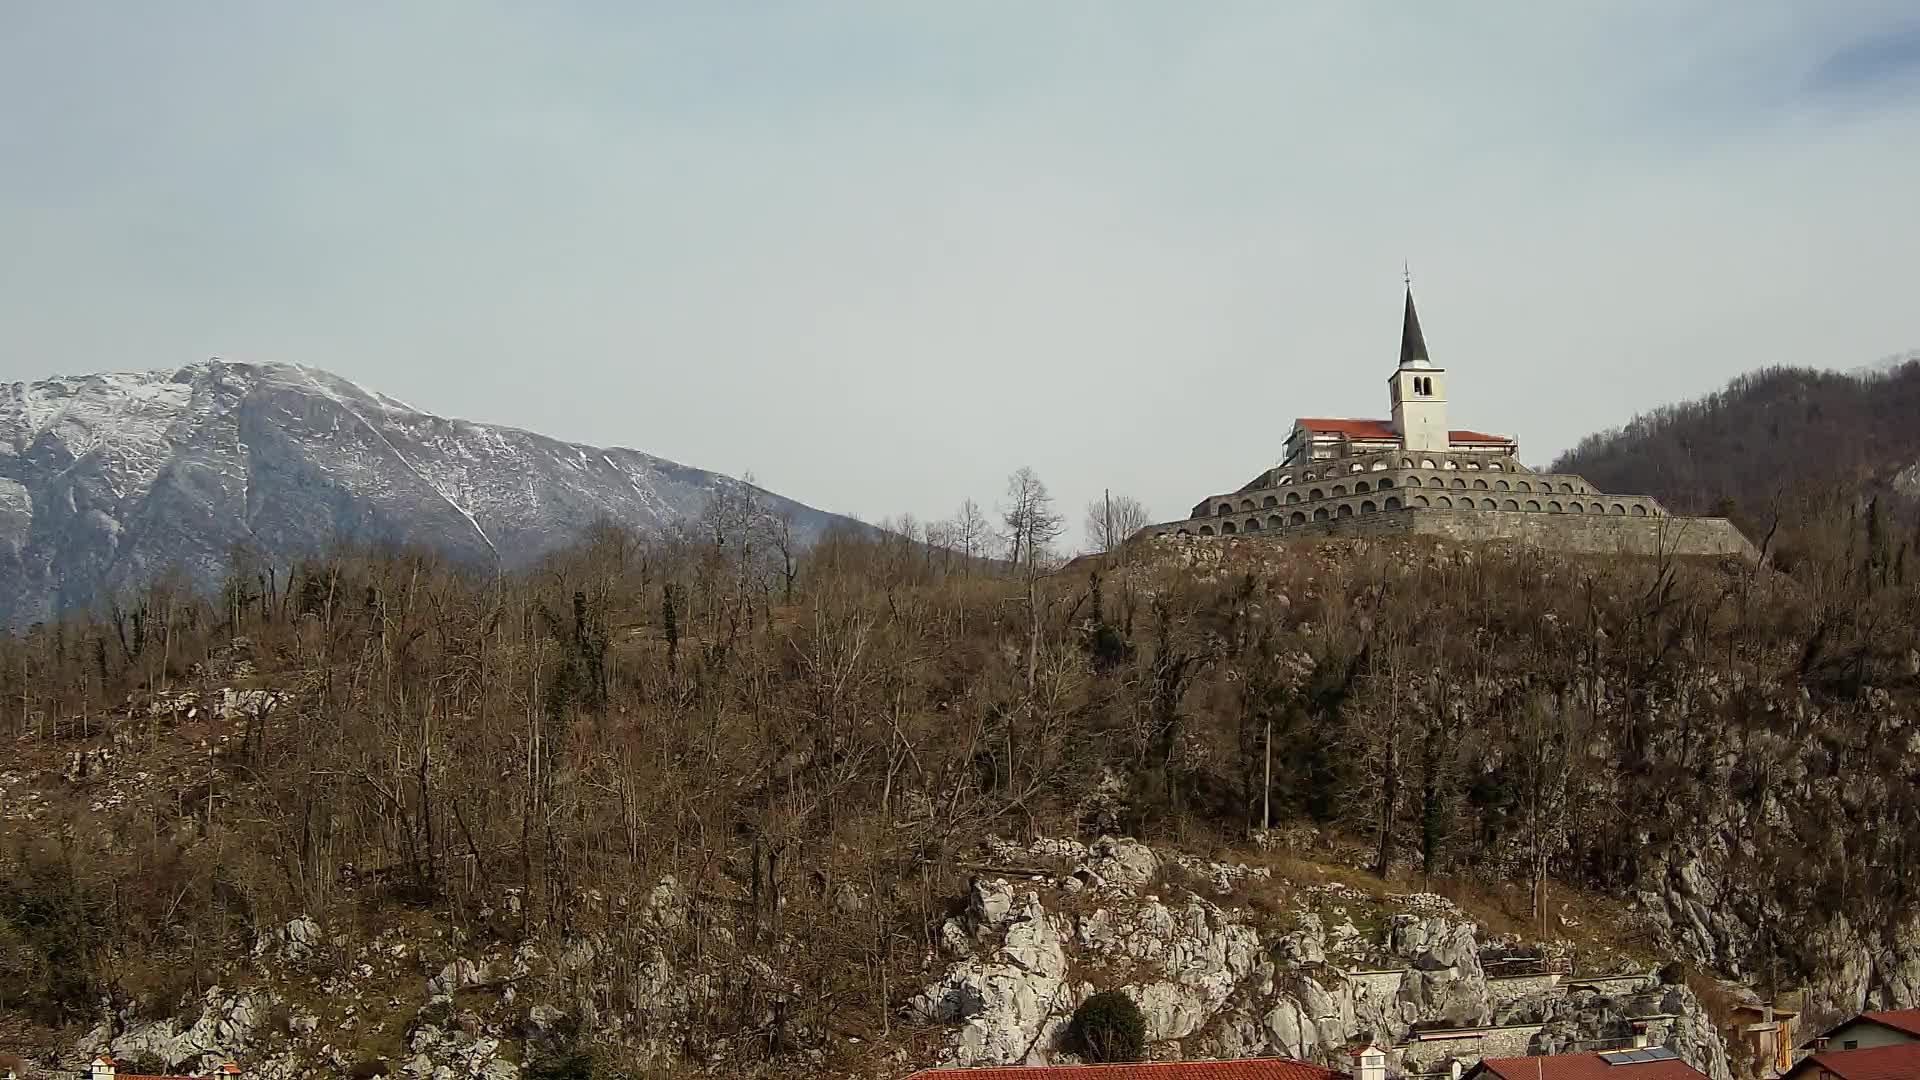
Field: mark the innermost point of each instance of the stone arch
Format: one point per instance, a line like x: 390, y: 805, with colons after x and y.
x: 1473, y: 466
x: 1619, y: 508
x: 1427, y: 463
x: 1448, y: 464
x: 1339, y: 490
x: 1182, y: 532
x: 1494, y: 465
x: 1228, y: 528
x: 1206, y: 530
x: 1316, y: 493
x: 1393, y: 502
x: 1274, y: 522
x: 1223, y: 510
x: 1380, y: 465
x: 1533, y: 505
x: 1597, y: 508
x: 1367, y: 507
x: 1356, y: 467
x: 1246, y: 504
x: 1344, y: 510
x: 1321, y: 514
x: 1443, y: 502
x: 1639, y: 510
x: 1285, y: 479
x: 1421, y: 500
x: 1554, y: 507
x: 1509, y: 505
x: 1459, y: 482
x: 1577, y: 507
x: 1407, y: 463
x: 1488, y: 504
x: 1479, y: 484
x: 1293, y: 497
x: 1299, y: 518
x: 1385, y: 482
x: 1360, y: 487
x: 1253, y: 524
x: 1568, y: 488
x: 1524, y: 486
x: 1413, y: 481
x: 1502, y: 485
x: 1270, y: 501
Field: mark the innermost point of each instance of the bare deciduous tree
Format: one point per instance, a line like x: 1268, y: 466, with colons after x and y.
x: 1111, y: 519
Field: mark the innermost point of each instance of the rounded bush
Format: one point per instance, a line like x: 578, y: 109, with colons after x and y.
x: 1108, y: 1027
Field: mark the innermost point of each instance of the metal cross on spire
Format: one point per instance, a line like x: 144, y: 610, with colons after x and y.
x: 1406, y: 274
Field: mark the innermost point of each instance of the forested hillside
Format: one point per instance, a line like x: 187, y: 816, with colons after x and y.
x: 808, y: 755
x: 1796, y: 442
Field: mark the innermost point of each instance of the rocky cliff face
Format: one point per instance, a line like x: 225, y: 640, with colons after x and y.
x: 108, y: 480
x: 1213, y: 978
x: 1218, y: 981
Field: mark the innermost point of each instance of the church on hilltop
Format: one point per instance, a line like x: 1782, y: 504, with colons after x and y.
x: 1413, y: 474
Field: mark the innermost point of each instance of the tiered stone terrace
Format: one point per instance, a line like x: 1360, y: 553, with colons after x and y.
x: 1320, y: 491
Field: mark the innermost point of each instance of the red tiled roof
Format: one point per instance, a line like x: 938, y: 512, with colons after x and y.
x: 1901, y: 1061
x: 1251, y: 1069
x: 1907, y: 1020
x: 1383, y: 429
x: 1353, y: 429
x: 1586, y: 1067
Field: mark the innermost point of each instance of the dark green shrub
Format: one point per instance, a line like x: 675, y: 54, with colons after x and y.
x: 1108, y: 1027
x: 572, y: 1066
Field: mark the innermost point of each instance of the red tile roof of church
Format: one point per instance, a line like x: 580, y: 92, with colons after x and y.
x: 1251, y: 1069
x: 1383, y: 429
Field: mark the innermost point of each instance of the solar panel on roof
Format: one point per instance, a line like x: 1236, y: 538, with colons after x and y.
x: 1637, y: 1055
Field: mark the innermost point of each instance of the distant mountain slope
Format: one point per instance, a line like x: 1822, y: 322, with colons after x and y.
x: 1775, y: 436
x: 106, y: 480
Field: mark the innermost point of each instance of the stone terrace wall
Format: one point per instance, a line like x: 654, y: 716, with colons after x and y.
x: 1589, y: 534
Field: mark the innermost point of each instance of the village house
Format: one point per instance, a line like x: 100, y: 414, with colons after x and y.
x: 1639, y: 1063
x: 1885, y: 1028
x: 1765, y: 1029
x: 1889, y: 1061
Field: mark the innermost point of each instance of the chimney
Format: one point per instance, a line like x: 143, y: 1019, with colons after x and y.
x: 1369, y: 1063
x: 101, y: 1069
x: 1640, y: 1039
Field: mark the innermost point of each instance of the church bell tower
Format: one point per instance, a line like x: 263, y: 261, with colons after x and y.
x: 1419, y: 390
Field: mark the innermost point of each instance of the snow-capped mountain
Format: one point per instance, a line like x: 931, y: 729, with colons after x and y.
x: 108, y: 480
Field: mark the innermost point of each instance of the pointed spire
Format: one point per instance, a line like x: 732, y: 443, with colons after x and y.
x: 1413, y: 344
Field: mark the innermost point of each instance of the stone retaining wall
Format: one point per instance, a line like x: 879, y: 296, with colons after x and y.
x: 1590, y: 534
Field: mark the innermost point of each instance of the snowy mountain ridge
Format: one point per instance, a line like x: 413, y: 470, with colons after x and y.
x: 109, y: 479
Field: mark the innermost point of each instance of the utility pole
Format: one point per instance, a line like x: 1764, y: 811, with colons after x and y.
x: 1266, y: 789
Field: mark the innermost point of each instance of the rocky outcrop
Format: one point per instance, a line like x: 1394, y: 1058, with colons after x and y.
x: 1216, y: 981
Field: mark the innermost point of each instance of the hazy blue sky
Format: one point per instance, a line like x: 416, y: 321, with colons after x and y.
x: 880, y: 254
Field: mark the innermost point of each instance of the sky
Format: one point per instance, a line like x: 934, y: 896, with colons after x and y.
x: 879, y: 255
